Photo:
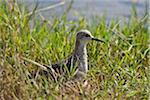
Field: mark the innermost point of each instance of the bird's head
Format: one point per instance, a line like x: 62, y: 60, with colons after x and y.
x: 84, y: 36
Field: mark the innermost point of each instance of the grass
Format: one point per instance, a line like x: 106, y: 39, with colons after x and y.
x: 118, y: 69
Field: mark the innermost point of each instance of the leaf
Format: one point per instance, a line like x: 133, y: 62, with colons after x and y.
x: 132, y: 93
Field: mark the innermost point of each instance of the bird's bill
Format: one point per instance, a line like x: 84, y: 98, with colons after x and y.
x: 98, y: 40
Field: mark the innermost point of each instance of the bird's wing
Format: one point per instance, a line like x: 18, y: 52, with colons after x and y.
x: 67, y: 63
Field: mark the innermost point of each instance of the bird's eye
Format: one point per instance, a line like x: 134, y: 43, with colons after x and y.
x: 87, y: 35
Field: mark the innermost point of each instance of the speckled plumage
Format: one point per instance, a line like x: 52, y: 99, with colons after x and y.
x: 79, y: 56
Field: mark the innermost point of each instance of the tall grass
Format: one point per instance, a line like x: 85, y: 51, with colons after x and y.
x: 118, y: 69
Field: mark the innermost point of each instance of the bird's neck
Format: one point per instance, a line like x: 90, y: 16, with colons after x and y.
x: 81, y: 53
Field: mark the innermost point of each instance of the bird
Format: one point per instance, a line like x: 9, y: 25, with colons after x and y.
x: 78, y: 59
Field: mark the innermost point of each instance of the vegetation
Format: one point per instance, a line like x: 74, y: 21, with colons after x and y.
x: 118, y: 69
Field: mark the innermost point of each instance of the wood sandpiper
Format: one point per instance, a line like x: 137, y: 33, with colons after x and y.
x: 78, y: 57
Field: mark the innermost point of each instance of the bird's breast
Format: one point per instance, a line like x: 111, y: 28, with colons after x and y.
x: 83, y: 65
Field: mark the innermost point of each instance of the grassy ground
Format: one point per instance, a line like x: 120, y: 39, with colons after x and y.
x: 118, y: 69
